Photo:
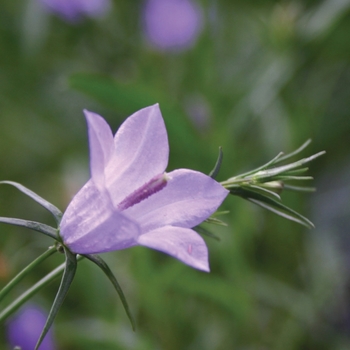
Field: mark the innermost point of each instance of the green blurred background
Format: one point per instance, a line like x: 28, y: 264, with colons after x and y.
x: 262, y: 77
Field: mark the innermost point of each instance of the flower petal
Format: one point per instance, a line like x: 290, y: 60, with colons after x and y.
x: 142, y: 153
x: 181, y: 243
x: 188, y: 198
x: 91, y: 224
x: 101, y: 147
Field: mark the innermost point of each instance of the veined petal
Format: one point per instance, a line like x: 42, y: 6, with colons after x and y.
x: 101, y: 147
x: 181, y: 243
x: 92, y: 225
x: 188, y: 198
x: 142, y: 153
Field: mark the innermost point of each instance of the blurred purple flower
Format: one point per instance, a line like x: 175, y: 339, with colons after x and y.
x: 25, y: 327
x: 172, y: 24
x: 130, y: 200
x: 74, y: 10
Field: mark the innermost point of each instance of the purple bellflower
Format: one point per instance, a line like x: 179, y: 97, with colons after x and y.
x: 25, y: 327
x: 74, y: 10
x: 130, y: 199
x: 172, y: 24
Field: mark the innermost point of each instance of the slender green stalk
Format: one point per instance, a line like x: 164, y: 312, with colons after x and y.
x: 26, y: 271
x: 14, y: 306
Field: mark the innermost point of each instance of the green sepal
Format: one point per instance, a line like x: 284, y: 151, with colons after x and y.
x: 203, y: 231
x: 272, y: 205
x: 9, y: 286
x: 213, y: 174
x: 105, y: 268
x: 67, y: 279
x: 43, y: 202
x: 33, y: 225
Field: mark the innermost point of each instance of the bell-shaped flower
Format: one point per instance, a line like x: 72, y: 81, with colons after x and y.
x: 130, y: 199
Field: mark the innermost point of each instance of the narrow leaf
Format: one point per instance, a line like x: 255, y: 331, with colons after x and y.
x: 67, y: 279
x: 104, y: 267
x: 213, y: 174
x: 261, y: 190
x: 296, y: 171
x: 32, y: 225
x: 4, y: 291
x: 260, y: 168
x: 273, y: 205
x: 289, y: 155
x: 290, y: 177
x: 285, y: 212
x: 299, y: 188
x: 284, y: 168
x: 43, y: 202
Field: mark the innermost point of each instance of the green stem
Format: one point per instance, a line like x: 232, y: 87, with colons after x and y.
x: 14, y: 306
x: 25, y: 272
